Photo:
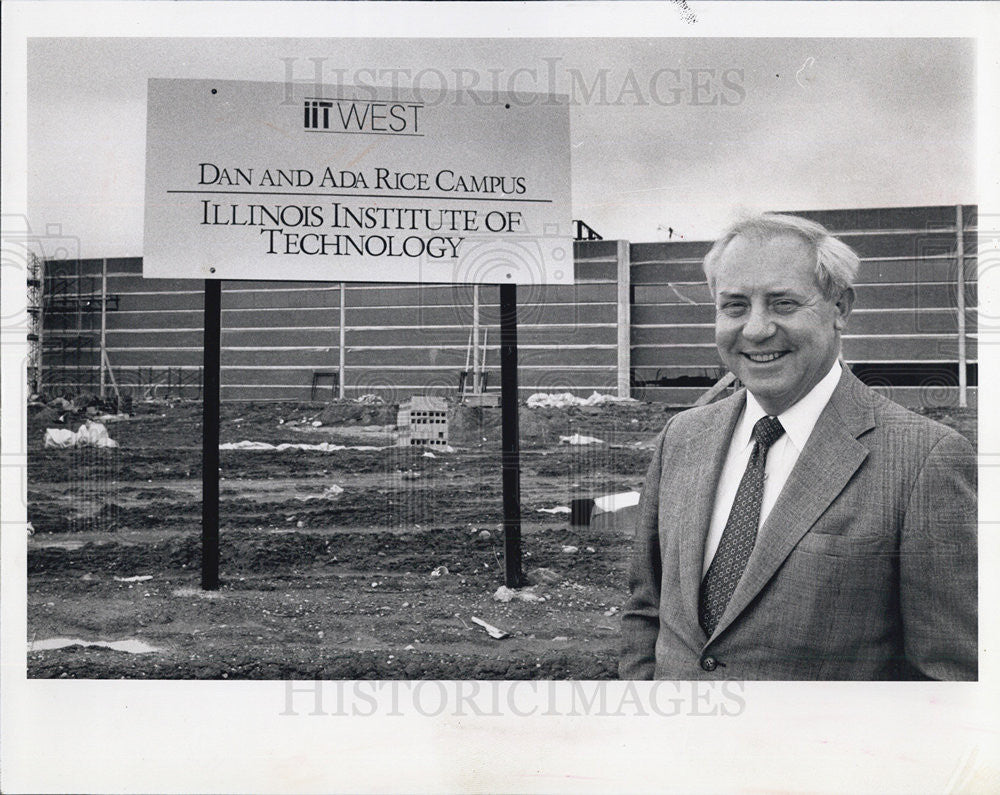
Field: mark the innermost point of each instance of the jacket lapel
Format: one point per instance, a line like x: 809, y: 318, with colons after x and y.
x: 831, y: 456
x: 703, y: 457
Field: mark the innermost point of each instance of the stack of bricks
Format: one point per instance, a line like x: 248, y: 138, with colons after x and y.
x: 423, y: 420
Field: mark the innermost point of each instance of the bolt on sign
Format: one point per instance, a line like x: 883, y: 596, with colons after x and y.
x: 251, y: 180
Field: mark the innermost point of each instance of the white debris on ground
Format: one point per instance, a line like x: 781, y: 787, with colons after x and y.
x: 493, y: 632
x: 330, y: 493
x: 543, y: 400
x: 557, y: 509
x: 439, y: 571
x: 323, y: 447
x: 615, y: 512
x: 137, y: 578
x: 130, y: 646
x: 31, y: 529
x: 505, y: 594
x: 370, y: 399
x: 429, y: 454
x: 90, y: 434
x: 570, y: 550
x: 577, y: 438
x: 615, y: 502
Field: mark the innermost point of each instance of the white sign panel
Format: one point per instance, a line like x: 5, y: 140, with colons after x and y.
x: 249, y: 180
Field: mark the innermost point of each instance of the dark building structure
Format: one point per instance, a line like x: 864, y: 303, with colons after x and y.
x: 638, y: 321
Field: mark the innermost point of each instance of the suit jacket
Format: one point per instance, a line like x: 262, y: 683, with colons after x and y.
x: 864, y: 569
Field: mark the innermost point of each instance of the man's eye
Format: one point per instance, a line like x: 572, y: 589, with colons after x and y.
x: 784, y: 306
x: 733, y: 309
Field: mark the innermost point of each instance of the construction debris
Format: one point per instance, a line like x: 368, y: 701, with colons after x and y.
x: 581, y: 509
x: 615, y: 512
x: 90, y: 434
x: 577, y: 438
x: 542, y: 400
x: 423, y: 420
x: 499, y: 634
x: 615, y: 502
x: 505, y: 594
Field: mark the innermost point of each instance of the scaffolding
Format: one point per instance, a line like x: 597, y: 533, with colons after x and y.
x: 36, y: 322
x: 74, y: 307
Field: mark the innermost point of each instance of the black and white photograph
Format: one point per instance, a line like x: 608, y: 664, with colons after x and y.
x: 447, y: 377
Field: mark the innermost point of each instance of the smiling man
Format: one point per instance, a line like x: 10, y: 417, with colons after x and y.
x: 806, y: 527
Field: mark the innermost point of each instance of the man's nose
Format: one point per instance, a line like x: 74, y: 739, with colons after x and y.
x: 758, y: 326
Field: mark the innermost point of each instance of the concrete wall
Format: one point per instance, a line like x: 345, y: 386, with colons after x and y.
x: 399, y: 339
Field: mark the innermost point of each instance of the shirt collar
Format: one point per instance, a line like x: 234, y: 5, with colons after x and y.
x: 798, y: 420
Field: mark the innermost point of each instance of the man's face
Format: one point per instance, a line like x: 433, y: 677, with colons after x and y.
x: 773, y: 327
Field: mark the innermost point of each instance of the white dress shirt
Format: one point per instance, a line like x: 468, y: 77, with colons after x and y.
x: 798, y: 422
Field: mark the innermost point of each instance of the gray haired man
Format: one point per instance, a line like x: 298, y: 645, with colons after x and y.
x: 806, y: 527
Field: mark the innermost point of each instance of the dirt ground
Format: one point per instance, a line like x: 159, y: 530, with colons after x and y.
x: 323, y: 583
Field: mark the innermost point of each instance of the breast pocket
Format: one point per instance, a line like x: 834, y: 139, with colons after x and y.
x: 837, y: 545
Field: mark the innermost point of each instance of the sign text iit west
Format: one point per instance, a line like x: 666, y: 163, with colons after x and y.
x: 361, y: 116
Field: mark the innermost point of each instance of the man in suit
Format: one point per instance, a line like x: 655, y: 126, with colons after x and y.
x: 806, y: 527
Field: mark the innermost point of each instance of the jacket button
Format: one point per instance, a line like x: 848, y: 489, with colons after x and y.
x: 709, y: 664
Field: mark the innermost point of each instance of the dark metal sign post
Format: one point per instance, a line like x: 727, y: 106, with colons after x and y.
x: 510, y: 442
x: 210, y: 438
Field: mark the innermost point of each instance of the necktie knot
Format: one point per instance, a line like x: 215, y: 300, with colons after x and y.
x: 766, y: 432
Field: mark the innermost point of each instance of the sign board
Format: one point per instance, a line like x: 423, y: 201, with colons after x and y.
x: 250, y: 180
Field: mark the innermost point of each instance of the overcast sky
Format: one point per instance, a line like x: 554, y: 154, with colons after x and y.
x: 683, y: 133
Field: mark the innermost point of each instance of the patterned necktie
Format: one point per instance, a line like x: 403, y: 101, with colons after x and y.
x: 740, y: 533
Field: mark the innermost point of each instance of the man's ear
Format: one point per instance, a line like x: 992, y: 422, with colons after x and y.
x: 844, y: 306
